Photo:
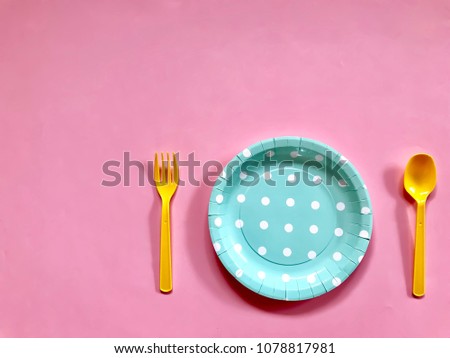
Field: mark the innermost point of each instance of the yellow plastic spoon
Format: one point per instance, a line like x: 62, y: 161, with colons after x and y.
x: 419, y: 182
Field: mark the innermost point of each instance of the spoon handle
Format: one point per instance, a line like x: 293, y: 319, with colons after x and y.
x: 419, y: 253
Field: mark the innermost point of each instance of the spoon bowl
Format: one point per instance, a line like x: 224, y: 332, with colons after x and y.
x: 420, y: 176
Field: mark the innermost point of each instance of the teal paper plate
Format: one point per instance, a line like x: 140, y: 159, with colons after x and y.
x: 290, y: 218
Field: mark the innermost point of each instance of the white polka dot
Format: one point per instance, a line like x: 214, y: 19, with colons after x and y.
x: 336, y: 281
x: 237, y: 248
x: 262, y: 250
x: 241, y: 198
x: 365, y: 210
x: 315, y: 205
x: 312, y: 255
x: 261, y: 275
x: 267, y: 175
x: 364, y: 234
x: 246, y: 153
x: 270, y: 153
x: 319, y: 157
x: 317, y: 179
x: 223, y: 174
x: 342, y: 183
x: 311, y: 278
x: 292, y: 178
x: 338, y: 232
x: 343, y: 159
x: 263, y: 225
x: 239, y: 223
x: 265, y: 201
x: 218, y: 222
x: 287, y: 252
x: 242, y: 175
x: 239, y: 273
x: 340, y: 206
x: 290, y: 202
x: 219, y: 199
x: 217, y: 246
x: 337, y: 256
x: 360, y: 258
x: 313, y: 229
x: 285, y: 277
x: 365, y: 186
x: 294, y: 154
x: 288, y: 228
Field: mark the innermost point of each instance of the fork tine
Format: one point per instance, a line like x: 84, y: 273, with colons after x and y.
x: 163, y: 169
x: 156, y: 177
x: 169, y: 169
x: 175, y: 168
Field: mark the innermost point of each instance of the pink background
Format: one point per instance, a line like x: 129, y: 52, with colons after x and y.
x: 83, y: 81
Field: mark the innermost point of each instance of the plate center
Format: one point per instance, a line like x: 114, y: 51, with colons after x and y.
x: 289, y: 215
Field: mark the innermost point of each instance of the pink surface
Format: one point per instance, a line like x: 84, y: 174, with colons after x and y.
x: 83, y: 81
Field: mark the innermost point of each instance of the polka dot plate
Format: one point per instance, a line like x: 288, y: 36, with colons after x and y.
x: 290, y: 218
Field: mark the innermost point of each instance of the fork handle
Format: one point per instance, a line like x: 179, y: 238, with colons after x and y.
x: 165, y: 262
x: 419, y: 252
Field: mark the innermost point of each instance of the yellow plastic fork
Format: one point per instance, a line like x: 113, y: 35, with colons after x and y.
x: 166, y: 180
